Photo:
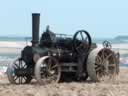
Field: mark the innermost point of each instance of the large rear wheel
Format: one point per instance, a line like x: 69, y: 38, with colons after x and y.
x: 101, y: 64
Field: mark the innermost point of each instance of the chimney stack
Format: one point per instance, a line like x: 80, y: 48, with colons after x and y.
x: 35, y: 28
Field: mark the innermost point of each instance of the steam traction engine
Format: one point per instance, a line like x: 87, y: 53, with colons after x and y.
x: 56, y: 55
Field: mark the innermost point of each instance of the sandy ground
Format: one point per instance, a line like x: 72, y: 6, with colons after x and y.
x: 118, y: 87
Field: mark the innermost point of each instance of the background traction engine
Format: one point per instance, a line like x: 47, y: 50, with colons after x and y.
x: 57, y: 56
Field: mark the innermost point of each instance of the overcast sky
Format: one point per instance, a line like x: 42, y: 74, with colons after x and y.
x: 101, y: 18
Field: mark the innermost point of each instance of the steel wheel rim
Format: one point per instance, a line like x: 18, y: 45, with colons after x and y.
x: 105, y: 65
x: 16, y: 65
x: 50, y: 70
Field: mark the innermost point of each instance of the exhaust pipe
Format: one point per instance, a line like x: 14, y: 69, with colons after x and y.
x: 35, y: 28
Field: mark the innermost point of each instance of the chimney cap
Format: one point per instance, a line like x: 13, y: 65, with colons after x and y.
x: 35, y: 13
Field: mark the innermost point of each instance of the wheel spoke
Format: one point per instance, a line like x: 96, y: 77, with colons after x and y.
x: 102, y: 54
x: 20, y: 63
x: 86, y: 39
x: 81, y: 35
x: 112, y: 65
x: 98, y: 74
x: 15, y: 78
x: 55, y: 66
x: 25, y: 66
x: 53, y: 77
x: 107, y: 58
x: 99, y: 60
x: 16, y: 65
x: 97, y: 69
x: 25, y: 78
x: 49, y: 64
x: 21, y: 79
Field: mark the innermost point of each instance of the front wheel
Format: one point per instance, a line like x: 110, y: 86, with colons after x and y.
x: 14, y: 68
x: 47, y: 70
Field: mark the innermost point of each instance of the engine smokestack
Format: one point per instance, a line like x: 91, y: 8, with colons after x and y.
x: 35, y: 28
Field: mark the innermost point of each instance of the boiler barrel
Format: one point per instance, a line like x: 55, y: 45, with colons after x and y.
x: 35, y: 28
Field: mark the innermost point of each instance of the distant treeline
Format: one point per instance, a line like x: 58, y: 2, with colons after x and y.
x: 122, y: 38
